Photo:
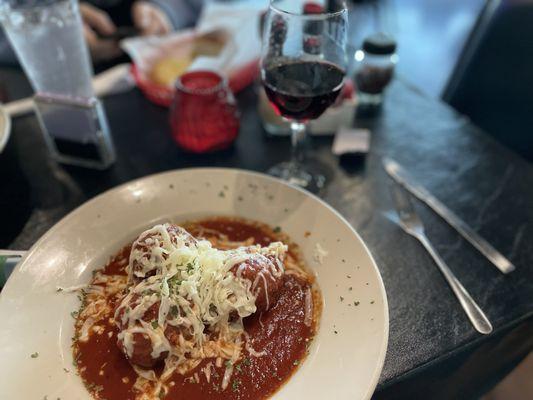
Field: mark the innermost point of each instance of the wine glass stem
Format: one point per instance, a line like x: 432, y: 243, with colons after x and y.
x: 297, y: 141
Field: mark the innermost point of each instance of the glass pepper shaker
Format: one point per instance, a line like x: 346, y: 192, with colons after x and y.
x: 374, y: 68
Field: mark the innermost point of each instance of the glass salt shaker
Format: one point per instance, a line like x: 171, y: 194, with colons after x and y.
x: 374, y: 68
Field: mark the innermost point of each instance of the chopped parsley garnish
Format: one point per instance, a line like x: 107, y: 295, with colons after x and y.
x: 74, y: 314
x: 174, y: 284
x: 228, y: 363
x: 276, y: 229
x: 238, y: 367
x: 247, y: 362
x: 34, y: 355
x: 235, y: 385
x: 335, y: 332
x: 372, y: 302
x: 75, y: 360
x: 190, y: 267
x: 221, y: 194
x: 350, y: 288
x: 356, y: 303
x: 342, y: 298
x: 155, y: 324
x: 296, y: 362
x: 59, y: 289
x: 161, y: 394
x: 174, y: 312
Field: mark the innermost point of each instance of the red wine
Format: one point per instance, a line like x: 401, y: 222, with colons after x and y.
x: 302, y: 90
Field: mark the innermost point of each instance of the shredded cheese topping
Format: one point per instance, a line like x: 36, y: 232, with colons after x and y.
x: 189, y: 299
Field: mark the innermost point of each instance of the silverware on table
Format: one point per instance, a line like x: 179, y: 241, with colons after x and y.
x: 397, y: 173
x: 411, y: 224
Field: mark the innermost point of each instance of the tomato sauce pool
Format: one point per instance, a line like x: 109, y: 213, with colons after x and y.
x: 281, y: 333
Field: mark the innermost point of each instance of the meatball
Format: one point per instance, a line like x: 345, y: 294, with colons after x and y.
x: 142, y: 351
x: 146, y: 252
x: 143, y: 344
x: 264, y: 269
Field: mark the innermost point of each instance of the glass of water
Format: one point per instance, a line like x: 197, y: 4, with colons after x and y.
x: 48, y: 40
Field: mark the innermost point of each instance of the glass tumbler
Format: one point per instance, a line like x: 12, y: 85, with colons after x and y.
x: 47, y: 36
x: 204, y: 115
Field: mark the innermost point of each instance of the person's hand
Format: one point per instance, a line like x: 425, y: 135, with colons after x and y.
x: 95, y: 22
x: 150, y: 19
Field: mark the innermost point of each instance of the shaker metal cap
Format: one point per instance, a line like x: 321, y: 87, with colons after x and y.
x: 379, y: 43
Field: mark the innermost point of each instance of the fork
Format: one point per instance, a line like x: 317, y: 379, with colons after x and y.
x: 412, y: 224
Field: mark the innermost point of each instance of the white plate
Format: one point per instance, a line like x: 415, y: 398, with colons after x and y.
x: 5, y: 128
x: 347, y: 354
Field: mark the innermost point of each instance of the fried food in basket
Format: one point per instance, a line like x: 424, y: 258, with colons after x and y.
x: 166, y: 70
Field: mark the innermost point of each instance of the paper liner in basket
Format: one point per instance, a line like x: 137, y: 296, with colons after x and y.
x: 238, y: 59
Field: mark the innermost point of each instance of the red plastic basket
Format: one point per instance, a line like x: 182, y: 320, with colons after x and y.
x: 163, y: 95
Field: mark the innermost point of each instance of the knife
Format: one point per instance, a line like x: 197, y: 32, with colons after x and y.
x: 397, y: 173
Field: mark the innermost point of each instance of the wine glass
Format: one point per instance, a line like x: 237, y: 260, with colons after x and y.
x: 303, y: 65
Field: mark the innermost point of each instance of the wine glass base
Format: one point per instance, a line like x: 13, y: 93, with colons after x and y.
x: 298, y: 175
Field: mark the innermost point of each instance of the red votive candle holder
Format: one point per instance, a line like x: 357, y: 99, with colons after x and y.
x: 204, y: 115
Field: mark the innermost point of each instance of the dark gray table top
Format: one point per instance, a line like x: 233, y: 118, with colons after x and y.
x: 430, y: 336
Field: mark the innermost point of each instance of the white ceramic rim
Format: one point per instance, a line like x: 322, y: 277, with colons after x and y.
x: 381, y: 358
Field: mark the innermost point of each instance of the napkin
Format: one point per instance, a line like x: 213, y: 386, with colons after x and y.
x: 237, y: 60
x: 350, y: 141
x: 241, y: 21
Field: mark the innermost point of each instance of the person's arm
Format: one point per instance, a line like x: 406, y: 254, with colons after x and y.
x: 95, y: 22
x: 164, y: 16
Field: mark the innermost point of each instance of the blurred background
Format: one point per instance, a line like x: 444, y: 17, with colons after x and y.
x: 474, y: 55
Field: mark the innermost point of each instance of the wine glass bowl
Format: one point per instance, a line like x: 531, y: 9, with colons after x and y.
x: 303, y: 65
x: 303, y: 90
